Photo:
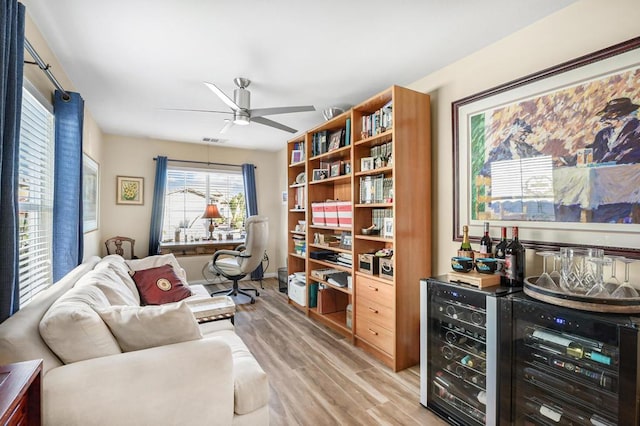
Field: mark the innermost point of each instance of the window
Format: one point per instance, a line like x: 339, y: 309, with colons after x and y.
x: 188, y: 193
x: 35, y: 197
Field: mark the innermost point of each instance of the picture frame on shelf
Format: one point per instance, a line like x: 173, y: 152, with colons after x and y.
x: 297, y: 156
x: 334, y: 140
x: 387, y: 227
x: 345, y: 240
x: 335, y: 169
x: 320, y: 174
x: 553, y: 187
x: 366, y: 163
x: 130, y: 190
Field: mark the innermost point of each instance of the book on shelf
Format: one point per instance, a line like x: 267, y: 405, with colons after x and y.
x: 372, y: 188
x: 347, y: 133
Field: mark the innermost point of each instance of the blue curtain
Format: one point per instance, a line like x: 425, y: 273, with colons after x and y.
x: 67, y: 185
x: 157, y: 210
x: 12, y: 54
x: 249, y: 176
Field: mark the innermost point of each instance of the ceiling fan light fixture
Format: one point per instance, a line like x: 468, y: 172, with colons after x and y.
x: 241, y: 119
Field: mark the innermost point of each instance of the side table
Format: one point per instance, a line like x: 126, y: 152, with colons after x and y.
x: 20, y: 393
x: 213, y: 309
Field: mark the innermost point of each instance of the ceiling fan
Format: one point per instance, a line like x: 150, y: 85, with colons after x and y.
x: 241, y: 108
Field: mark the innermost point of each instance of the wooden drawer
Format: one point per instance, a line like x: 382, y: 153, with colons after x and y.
x: 374, y: 334
x: 371, y: 310
x: 376, y: 291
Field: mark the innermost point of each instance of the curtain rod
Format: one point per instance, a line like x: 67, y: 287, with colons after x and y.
x: 45, y: 68
x: 202, y: 162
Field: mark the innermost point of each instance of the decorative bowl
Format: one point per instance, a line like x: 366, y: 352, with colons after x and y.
x: 370, y: 231
x: 331, y: 112
x: 461, y: 264
x: 486, y: 265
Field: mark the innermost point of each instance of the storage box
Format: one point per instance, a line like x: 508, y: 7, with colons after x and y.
x: 386, y: 268
x: 345, y: 214
x: 297, y: 291
x: 317, y: 214
x: 368, y: 264
x: 331, y: 213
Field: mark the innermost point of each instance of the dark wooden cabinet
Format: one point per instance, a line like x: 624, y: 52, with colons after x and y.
x: 20, y: 390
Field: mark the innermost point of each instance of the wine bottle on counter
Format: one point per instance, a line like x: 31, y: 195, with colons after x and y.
x: 486, y: 244
x: 465, y: 247
x: 514, y: 261
x: 500, y: 253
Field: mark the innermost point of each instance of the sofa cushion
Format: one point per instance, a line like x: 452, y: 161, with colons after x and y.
x: 160, y: 285
x: 114, y: 289
x: 118, y: 265
x: 141, y: 327
x: 73, y: 330
x: 159, y: 260
x: 251, y: 387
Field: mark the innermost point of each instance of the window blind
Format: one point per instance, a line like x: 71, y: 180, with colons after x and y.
x: 190, y: 190
x: 35, y: 197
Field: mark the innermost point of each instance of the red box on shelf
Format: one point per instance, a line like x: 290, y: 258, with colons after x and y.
x: 317, y: 214
x: 331, y: 213
x: 345, y: 214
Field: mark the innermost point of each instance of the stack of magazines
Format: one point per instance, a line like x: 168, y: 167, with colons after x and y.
x: 340, y: 279
x: 345, y: 259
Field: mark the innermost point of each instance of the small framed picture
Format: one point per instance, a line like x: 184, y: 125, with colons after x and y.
x: 129, y: 190
x: 335, y: 169
x: 345, y: 240
x: 334, y: 140
x: 296, y: 156
x: 366, y: 163
x: 387, y: 228
x: 320, y: 174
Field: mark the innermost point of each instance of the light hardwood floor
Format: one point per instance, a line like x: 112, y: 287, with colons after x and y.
x: 316, y: 376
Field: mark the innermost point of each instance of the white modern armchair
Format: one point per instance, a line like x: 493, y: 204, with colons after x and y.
x: 236, y: 264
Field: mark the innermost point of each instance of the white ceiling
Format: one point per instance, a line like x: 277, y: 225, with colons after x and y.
x: 132, y: 60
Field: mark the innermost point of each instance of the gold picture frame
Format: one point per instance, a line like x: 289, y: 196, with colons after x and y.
x: 130, y: 190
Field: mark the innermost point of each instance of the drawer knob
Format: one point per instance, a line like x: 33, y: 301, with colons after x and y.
x: 375, y: 311
x: 373, y: 288
x: 375, y: 333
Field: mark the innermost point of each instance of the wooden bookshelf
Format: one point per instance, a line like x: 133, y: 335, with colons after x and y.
x: 385, y: 321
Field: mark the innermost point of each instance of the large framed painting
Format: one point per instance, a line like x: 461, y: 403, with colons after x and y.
x: 556, y: 153
x: 90, y: 194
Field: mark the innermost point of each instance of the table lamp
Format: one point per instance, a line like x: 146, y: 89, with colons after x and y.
x: 211, y: 212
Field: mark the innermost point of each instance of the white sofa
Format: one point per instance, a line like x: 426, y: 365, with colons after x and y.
x: 210, y: 380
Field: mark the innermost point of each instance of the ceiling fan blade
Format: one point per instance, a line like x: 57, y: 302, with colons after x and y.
x: 271, y: 123
x: 261, y: 112
x: 226, y: 99
x: 227, y: 126
x: 196, y: 110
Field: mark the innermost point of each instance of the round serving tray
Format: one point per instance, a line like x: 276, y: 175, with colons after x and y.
x: 578, y: 301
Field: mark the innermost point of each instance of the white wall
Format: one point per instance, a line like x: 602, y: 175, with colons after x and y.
x: 579, y: 29
x: 124, y: 156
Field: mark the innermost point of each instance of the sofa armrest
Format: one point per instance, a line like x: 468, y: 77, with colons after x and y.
x: 184, y: 383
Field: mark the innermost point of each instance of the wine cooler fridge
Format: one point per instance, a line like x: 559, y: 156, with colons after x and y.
x: 465, y: 352
x: 573, y: 367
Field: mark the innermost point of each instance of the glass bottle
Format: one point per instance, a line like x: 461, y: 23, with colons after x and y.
x: 514, y: 261
x: 465, y: 247
x: 502, y: 245
x: 486, y: 245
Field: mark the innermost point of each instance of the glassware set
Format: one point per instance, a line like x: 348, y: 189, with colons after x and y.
x: 582, y: 272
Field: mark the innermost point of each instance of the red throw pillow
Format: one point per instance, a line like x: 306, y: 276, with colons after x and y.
x: 160, y: 285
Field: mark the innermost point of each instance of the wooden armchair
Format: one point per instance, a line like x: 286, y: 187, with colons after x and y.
x: 114, y: 246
